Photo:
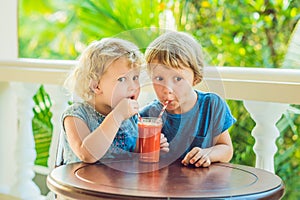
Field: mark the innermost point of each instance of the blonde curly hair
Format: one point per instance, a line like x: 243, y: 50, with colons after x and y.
x: 177, y: 50
x: 94, y: 61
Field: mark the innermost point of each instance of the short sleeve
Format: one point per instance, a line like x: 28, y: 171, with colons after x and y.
x: 74, y: 111
x: 221, y: 115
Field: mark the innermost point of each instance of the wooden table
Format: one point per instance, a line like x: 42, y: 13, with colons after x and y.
x: 123, y: 180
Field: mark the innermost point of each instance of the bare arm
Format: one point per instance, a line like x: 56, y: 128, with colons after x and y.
x: 222, y: 151
x: 91, y: 146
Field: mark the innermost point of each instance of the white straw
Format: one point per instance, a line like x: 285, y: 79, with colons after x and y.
x: 163, y: 109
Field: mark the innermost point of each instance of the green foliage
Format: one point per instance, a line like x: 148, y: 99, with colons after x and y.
x: 119, y: 18
x: 47, y: 29
x: 64, y: 33
x: 240, y: 33
x: 241, y: 134
x: 288, y: 155
x: 42, y: 126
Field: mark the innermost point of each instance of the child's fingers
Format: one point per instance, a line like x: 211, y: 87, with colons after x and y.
x: 165, y: 149
x: 163, y: 139
x: 164, y: 144
x: 204, y: 161
x: 162, y: 136
x: 207, y: 163
x: 190, y: 155
x: 133, y: 104
x: 127, y: 107
x: 132, y: 107
x: 196, y: 158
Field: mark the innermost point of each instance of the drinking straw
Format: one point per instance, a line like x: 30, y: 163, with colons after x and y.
x: 163, y: 109
x: 139, y: 116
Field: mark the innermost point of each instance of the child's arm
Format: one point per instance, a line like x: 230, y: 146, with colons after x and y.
x: 91, y: 146
x: 222, y: 151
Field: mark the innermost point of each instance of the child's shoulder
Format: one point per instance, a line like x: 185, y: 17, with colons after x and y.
x: 75, y: 106
x: 208, y: 96
x: 154, y: 106
x: 78, y: 109
x: 154, y: 103
x: 211, y: 99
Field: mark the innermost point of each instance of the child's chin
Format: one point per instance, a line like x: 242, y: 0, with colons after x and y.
x: 170, y: 108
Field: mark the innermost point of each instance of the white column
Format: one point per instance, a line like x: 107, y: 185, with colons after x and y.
x: 265, y: 132
x: 59, y: 101
x: 8, y: 135
x: 8, y: 106
x: 25, y: 153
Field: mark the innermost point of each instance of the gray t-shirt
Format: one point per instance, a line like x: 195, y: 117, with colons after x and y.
x: 123, y: 143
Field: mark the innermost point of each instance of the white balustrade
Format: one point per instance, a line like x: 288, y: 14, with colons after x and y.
x: 265, y: 132
x: 8, y: 136
x: 25, y: 153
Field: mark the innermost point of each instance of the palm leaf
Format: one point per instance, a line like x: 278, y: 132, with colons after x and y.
x: 42, y: 126
x: 292, y: 58
x: 129, y: 20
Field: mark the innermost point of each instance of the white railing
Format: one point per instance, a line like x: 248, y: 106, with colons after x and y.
x: 266, y: 94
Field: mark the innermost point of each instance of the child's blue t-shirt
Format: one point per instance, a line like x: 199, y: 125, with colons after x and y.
x: 209, y: 117
x: 123, y: 143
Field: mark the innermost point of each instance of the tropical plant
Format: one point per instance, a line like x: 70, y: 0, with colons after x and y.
x: 64, y: 33
x: 42, y: 126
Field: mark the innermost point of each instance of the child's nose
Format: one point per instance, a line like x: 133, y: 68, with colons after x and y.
x: 134, y: 85
x: 167, y: 90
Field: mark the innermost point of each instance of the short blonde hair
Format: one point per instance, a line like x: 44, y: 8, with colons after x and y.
x: 94, y: 61
x: 177, y: 50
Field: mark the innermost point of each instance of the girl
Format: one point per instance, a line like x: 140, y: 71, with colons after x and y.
x: 104, y: 124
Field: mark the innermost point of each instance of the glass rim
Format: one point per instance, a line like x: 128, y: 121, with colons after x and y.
x: 150, y: 119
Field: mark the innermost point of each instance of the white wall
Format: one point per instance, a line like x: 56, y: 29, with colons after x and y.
x: 8, y: 127
x: 8, y: 29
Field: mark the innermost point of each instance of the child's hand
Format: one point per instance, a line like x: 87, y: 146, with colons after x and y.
x: 164, y: 144
x: 126, y: 108
x: 196, y: 157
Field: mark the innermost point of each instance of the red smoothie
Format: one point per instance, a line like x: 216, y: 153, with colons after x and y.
x: 149, y: 139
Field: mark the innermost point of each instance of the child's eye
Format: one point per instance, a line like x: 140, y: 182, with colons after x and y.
x: 158, y: 78
x: 177, y: 79
x: 136, y: 78
x: 122, y: 79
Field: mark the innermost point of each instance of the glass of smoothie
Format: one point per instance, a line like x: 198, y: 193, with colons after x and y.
x: 149, y: 138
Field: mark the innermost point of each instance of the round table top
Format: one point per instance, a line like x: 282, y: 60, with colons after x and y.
x: 134, y: 180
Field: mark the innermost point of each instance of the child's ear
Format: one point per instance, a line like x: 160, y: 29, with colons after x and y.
x: 98, y: 90
x: 94, y: 86
x: 196, y: 81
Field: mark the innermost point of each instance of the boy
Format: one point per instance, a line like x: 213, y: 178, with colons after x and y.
x: 195, y: 123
